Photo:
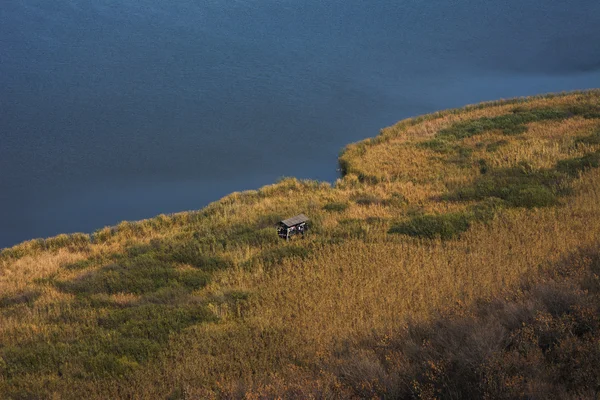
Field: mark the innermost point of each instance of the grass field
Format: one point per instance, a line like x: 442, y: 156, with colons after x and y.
x: 458, y: 257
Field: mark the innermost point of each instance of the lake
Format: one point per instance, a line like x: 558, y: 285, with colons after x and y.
x: 122, y: 110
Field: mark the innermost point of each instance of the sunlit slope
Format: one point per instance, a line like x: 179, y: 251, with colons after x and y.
x: 434, y: 215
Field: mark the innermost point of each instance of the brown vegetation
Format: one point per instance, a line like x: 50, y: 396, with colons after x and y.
x: 458, y: 257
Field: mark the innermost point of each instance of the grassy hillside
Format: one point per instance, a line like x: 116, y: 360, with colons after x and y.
x: 458, y: 257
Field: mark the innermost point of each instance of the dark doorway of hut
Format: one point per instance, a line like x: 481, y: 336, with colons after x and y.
x: 292, y: 226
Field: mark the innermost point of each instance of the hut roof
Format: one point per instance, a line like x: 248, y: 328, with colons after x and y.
x: 298, y: 219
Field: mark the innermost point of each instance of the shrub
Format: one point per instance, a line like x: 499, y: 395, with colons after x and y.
x: 444, y: 226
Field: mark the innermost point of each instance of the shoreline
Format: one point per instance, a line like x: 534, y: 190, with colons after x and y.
x: 344, y: 169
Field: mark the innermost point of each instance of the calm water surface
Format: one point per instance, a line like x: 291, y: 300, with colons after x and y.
x: 113, y: 110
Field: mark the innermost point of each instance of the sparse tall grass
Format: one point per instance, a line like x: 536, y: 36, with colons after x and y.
x: 212, y: 304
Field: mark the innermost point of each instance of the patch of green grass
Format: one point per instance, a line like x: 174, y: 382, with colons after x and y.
x: 277, y: 255
x: 451, y: 225
x: 459, y: 155
x: 124, y: 338
x: 148, y: 268
x: 593, y: 139
x: 496, y: 189
x: 335, y: 207
x: 462, y: 157
x: 74, y: 242
x: 87, y: 263
x: 237, y: 295
x: 141, y: 275
x: 108, y: 364
x: 518, y: 187
x: 167, y: 295
x: 586, y: 110
x: 37, y: 357
x: 492, y: 147
x: 509, y: 187
x: 268, y: 220
x: 350, y: 228
x: 26, y: 297
x: 574, y: 166
x: 439, y: 145
x: 487, y: 209
x: 103, y: 235
x: 509, y: 124
x: 443, y: 226
x: 242, y: 235
x: 366, y: 199
x: 193, y: 249
x: 121, y: 335
x: 396, y: 200
x: 375, y: 221
x: 78, y: 265
x: 483, y: 166
x: 192, y: 253
x: 154, y: 322
x: 530, y: 196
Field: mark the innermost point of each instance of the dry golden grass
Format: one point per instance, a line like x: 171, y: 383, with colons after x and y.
x: 18, y: 275
x: 399, y: 159
x: 544, y: 144
x: 285, y: 312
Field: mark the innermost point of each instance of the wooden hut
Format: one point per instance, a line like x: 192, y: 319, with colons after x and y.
x: 292, y: 226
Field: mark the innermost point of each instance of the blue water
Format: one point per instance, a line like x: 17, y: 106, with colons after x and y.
x: 114, y: 110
